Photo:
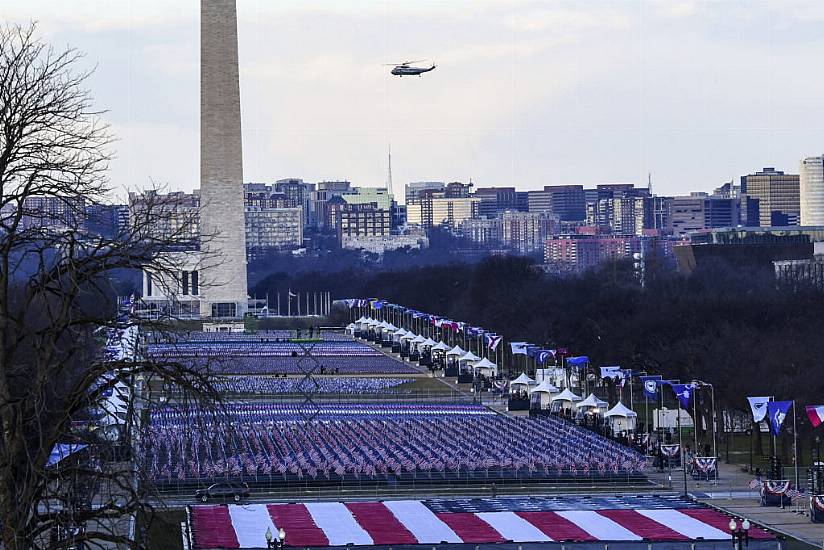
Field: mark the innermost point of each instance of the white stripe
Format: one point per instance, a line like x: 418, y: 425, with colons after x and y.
x: 250, y: 522
x: 513, y: 527
x: 337, y: 523
x: 600, y: 527
x: 422, y: 522
x: 686, y: 525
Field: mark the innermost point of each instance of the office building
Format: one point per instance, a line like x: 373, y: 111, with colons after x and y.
x: 274, y: 228
x: 362, y: 220
x: 416, y: 188
x: 381, y: 197
x: 525, y: 232
x: 168, y: 218
x: 439, y: 211
x: 778, y: 196
x: 495, y: 200
x: 811, y: 191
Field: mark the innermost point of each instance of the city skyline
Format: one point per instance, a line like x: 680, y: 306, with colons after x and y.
x: 525, y: 95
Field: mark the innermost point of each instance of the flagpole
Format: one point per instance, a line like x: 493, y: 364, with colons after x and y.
x: 795, y: 448
x: 695, y: 422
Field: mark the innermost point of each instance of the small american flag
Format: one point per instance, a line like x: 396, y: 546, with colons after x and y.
x: 755, y: 484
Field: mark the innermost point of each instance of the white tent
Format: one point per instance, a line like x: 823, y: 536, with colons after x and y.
x: 398, y: 333
x: 383, y: 324
x: 522, y: 383
x: 455, y: 351
x: 409, y: 336
x: 373, y: 322
x: 592, y: 402
x: 564, y: 400
x: 621, y: 419
x: 469, y: 356
x: 362, y: 320
x: 440, y: 346
x: 542, y: 394
x: 485, y: 366
x: 390, y: 327
x: 545, y: 387
x: 429, y: 342
x: 567, y: 395
x: 418, y: 339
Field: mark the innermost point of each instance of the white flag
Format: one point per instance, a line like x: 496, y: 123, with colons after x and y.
x: 759, y: 407
x: 519, y: 348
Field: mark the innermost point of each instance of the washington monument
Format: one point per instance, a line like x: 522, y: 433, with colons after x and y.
x: 223, y: 232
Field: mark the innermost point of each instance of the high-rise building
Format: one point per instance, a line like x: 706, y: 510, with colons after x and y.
x: 53, y: 212
x: 525, y: 232
x: 811, y: 190
x: 700, y: 211
x: 362, y: 220
x: 174, y: 217
x: 223, y: 281
x: 415, y: 188
x: 778, y: 196
x: 272, y: 228
x: 568, y: 202
x: 484, y: 231
x: 494, y: 200
x: 539, y: 201
x: 438, y: 211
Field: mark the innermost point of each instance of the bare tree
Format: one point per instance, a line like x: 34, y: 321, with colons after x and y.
x: 57, y: 303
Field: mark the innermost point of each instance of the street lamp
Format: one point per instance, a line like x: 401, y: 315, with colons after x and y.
x: 740, y: 533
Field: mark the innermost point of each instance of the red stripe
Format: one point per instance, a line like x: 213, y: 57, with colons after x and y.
x: 381, y: 524
x: 212, y: 527
x: 470, y: 528
x: 641, y: 525
x: 298, y: 523
x: 556, y: 527
x: 722, y: 522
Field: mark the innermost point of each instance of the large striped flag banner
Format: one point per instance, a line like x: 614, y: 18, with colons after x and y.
x: 413, y: 522
x: 815, y: 414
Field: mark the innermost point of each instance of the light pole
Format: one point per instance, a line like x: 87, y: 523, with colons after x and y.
x: 740, y: 533
x: 272, y: 542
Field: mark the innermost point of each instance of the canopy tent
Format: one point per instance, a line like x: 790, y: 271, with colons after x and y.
x: 469, y: 356
x: 522, y: 383
x: 383, y: 325
x: 409, y: 336
x: 592, y: 402
x: 455, y: 351
x: 390, y: 327
x: 440, y: 346
x: 567, y: 395
x: 351, y: 327
x: 373, y: 322
x: 418, y: 339
x: 428, y: 343
x: 542, y: 394
x: 485, y: 366
x: 621, y: 419
x: 545, y: 387
x: 362, y: 320
x: 398, y: 334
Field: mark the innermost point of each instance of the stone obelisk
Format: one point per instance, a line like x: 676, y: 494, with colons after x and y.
x: 223, y: 232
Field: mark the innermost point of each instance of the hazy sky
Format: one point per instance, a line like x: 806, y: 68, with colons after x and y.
x: 525, y: 93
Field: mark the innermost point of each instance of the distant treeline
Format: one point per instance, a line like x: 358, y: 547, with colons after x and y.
x: 729, y: 326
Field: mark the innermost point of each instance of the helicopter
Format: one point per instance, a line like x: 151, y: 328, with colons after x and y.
x: 404, y: 69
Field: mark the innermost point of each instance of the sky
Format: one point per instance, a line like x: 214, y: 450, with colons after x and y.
x: 525, y: 94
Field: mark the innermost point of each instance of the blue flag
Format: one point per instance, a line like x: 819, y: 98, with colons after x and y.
x: 650, y: 385
x: 684, y: 393
x: 777, y: 412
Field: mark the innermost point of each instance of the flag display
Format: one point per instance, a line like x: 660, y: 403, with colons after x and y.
x: 475, y: 521
x: 650, y: 385
x: 777, y: 412
x: 684, y: 393
x: 519, y: 348
x: 759, y: 407
x: 815, y: 414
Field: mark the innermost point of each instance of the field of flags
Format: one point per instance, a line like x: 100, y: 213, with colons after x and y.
x: 274, y: 443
